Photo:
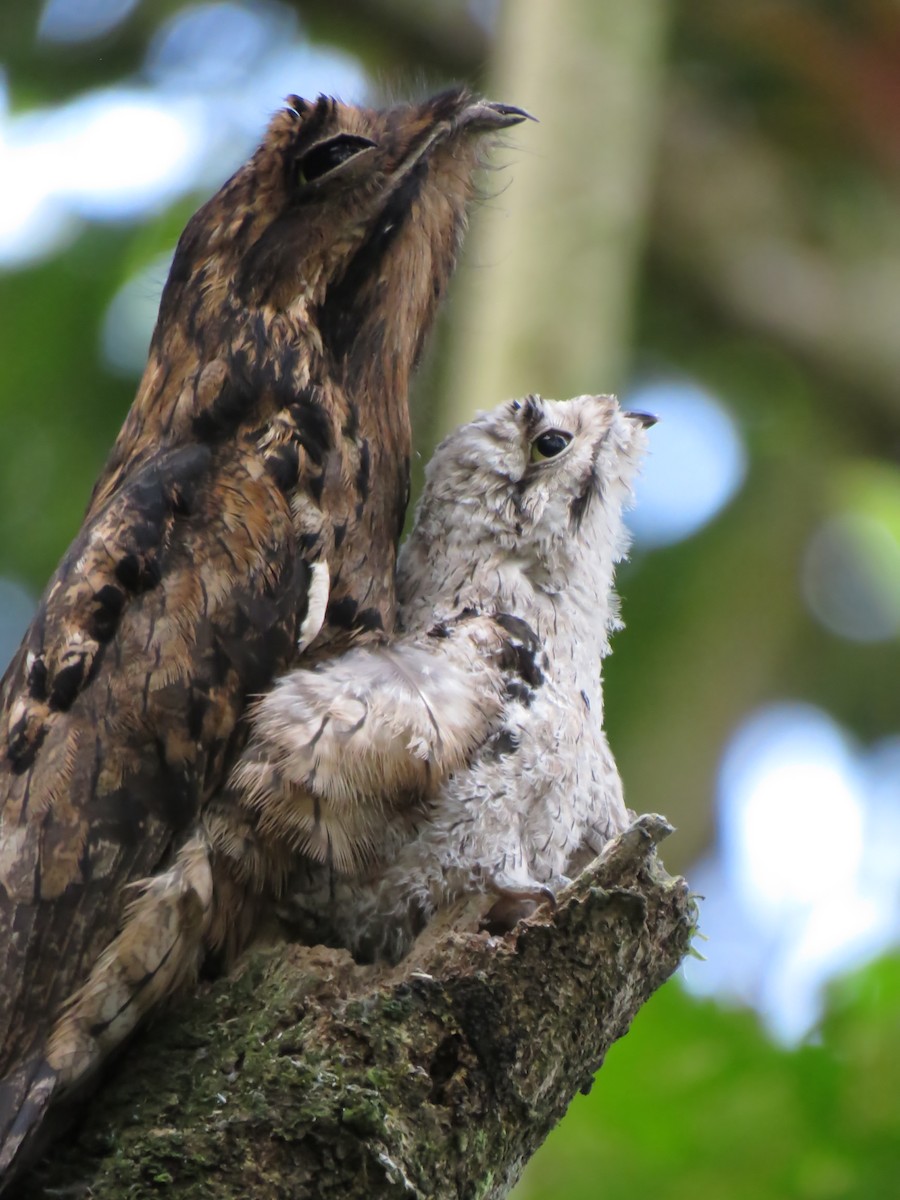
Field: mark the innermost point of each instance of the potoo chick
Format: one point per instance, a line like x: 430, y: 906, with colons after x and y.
x: 263, y: 466
x: 468, y: 753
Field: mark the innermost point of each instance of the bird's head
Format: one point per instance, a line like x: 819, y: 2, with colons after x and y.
x: 346, y: 218
x: 320, y: 262
x: 538, y: 484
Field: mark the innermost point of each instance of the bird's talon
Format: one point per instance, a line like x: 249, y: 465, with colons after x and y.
x: 530, y: 890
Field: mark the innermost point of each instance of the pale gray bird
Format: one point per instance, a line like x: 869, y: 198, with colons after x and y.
x: 467, y: 754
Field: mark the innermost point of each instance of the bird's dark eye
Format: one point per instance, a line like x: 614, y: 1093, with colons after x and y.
x: 326, y: 156
x: 549, y: 444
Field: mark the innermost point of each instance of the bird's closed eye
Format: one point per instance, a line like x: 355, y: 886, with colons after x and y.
x: 548, y: 444
x: 327, y: 156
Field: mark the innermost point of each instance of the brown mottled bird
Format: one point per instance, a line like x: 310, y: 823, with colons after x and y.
x: 266, y: 454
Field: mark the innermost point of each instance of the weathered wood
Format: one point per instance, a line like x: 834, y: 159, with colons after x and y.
x: 307, y: 1075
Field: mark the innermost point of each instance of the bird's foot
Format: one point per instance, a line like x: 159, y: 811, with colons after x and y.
x: 517, y: 899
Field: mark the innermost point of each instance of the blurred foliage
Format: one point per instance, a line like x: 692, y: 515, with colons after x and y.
x: 696, y: 1103
x: 60, y: 408
x: 770, y: 274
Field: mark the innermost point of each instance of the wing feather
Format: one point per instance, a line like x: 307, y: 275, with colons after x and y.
x: 335, y: 747
x: 103, y: 775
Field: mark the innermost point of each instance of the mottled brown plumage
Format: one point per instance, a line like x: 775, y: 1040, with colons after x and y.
x: 269, y: 432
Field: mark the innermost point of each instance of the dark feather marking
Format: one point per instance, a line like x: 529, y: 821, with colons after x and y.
x: 244, y: 225
x: 138, y: 573
x: 348, y: 301
x: 501, y: 744
x: 532, y: 415
x: 312, y: 425
x: 593, y: 489
x: 316, y: 487
x: 362, y: 474
x: 521, y: 652
x: 128, y: 572
x: 369, y: 619
x: 220, y: 420
x: 351, y: 424
x: 198, y: 706
x: 21, y: 749
x: 139, y: 984
x: 314, y: 740
x: 161, y: 489
x: 259, y: 331
x: 517, y: 690
x: 401, y: 502
x: 283, y: 464
x: 66, y: 685
x: 342, y: 613
x: 37, y: 680
x: 109, y: 601
x: 519, y: 629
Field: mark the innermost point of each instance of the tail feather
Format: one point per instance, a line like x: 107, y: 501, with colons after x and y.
x: 25, y: 1097
x: 157, y: 951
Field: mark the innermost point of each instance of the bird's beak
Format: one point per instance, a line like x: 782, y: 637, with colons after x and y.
x: 485, y: 114
x: 642, y: 418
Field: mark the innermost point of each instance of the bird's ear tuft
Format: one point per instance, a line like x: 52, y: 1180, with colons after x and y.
x: 296, y: 105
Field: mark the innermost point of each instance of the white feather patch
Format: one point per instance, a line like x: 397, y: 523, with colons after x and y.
x: 316, y: 603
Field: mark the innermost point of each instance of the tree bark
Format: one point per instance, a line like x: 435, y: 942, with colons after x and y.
x: 308, y: 1075
x: 553, y: 312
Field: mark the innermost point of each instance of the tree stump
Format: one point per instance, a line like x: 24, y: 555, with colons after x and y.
x: 307, y: 1075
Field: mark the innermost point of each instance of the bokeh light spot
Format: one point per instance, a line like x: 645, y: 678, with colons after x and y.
x: 696, y: 462
x: 209, y: 45
x: 790, y: 809
x: 117, y: 152
x: 81, y: 20
x: 131, y: 316
x: 120, y: 153
x: 851, y: 577
x: 16, y: 610
x: 801, y: 885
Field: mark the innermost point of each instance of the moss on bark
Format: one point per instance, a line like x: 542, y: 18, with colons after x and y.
x: 307, y: 1075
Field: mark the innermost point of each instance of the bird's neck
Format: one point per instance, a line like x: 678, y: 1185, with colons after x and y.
x: 574, y: 605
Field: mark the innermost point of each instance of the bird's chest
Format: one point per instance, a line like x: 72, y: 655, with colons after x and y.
x: 553, y: 744
x: 348, y: 513
x: 553, y: 729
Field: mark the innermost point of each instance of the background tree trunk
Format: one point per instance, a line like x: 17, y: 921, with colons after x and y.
x: 546, y: 304
x: 307, y: 1075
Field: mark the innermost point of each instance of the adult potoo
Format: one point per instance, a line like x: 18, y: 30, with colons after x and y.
x: 269, y: 433
x: 468, y: 753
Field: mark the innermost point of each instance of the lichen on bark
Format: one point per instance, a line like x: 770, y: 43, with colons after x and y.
x: 308, y: 1075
